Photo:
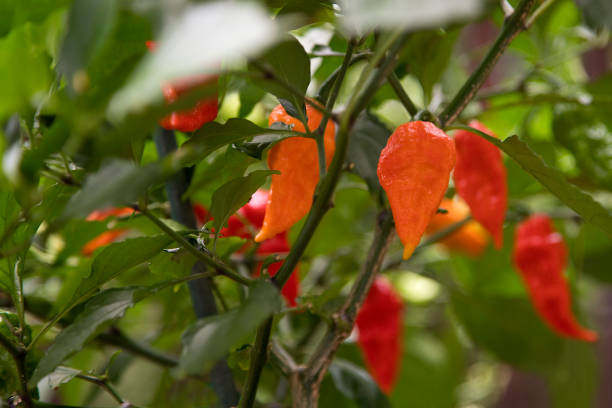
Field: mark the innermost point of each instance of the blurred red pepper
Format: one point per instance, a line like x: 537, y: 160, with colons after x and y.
x: 540, y: 255
x: 379, y: 324
x: 480, y: 179
x: 253, y: 214
x: 188, y: 120
x: 107, y: 237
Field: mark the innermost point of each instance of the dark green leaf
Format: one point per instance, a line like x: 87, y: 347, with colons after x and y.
x: 89, y: 23
x: 356, y: 384
x: 9, y: 376
x: 225, y: 166
x: 597, y: 13
x: 52, y: 142
x: 117, y: 258
x: 214, y: 135
x: 368, y: 137
x: 176, y: 265
x: 14, y: 13
x: 588, y: 139
x: 574, y: 380
x: 289, y: 63
x: 98, y: 313
x: 426, y: 56
x: 116, y: 184
x: 210, y: 339
x: 228, y: 198
x: 259, y: 144
x: 24, y: 68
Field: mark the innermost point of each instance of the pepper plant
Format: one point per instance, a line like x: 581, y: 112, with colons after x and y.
x: 305, y: 203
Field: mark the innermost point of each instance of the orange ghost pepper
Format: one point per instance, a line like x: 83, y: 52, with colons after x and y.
x: 471, y: 238
x: 291, y: 191
x: 107, y: 237
x: 192, y: 119
x: 414, y: 169
x: 540, y: 255
x: 480, y: 179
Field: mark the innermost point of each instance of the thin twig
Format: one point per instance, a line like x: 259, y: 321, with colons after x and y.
x: 401, y: 94
x: 512, y: 27
x: 217, y: 265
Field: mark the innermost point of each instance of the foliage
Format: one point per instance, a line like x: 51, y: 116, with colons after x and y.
x: 172, y: 312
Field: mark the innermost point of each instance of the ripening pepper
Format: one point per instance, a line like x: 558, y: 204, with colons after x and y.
x: 192, y: 119
x: 379, y: 333
x: 253, y: 214
x: 540, y: 255
x: 480, y: 179
x: 414, y: 169
x: 106, y: 237
x: 292, y: 191
x: 471, y: 238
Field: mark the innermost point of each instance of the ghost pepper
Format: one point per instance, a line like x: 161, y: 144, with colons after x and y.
x: 414, y: 170
x: 379, y: 325
x: 480, y: 179
x: 540, y: 255
x: 192, y: 119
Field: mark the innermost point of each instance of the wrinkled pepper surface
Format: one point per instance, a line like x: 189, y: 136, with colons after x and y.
x: 480, y: 179
x: 292, y: 191
x: 379, y: 325
x: 540, y: 255
x: 192, y: 119
x: 470, y: 239
x: 414, y: 170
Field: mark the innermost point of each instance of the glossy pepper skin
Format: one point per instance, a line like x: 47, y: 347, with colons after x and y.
x: 480, y: 179
x: 107, y: 237
x: 379, y: 324
x: 192, y: 119
x: 540, y: 255
x: 253, y: 214
x: 470, y: 239
x: 414, y: 169
x: 291, y: 191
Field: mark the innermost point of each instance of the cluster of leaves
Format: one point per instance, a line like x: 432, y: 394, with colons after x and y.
x: 81, y: 98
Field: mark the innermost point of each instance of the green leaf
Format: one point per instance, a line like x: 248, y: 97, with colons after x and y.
x: 210, y: 339
x: 508, y: 328
x: 426, y: 56
x: 24, y: 69
x: 259, y: 144
x: 574, y: 380
x: 214, y: 135
x: 176, y: 265
x: 228, y: 198
x: 289, y: 63
x: 196, y: 42
x: 89, y: 23
x: 8, y: 370
x: 53, y: 140
x: 597, y: 13
x: 368, y: 137
x: 356, y: 384
x: 116, y: 184
x: 97, y: 314
x: 15, y: 13
x: 588, y: 139
x: 117, y: 258
x: 226, y: 165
